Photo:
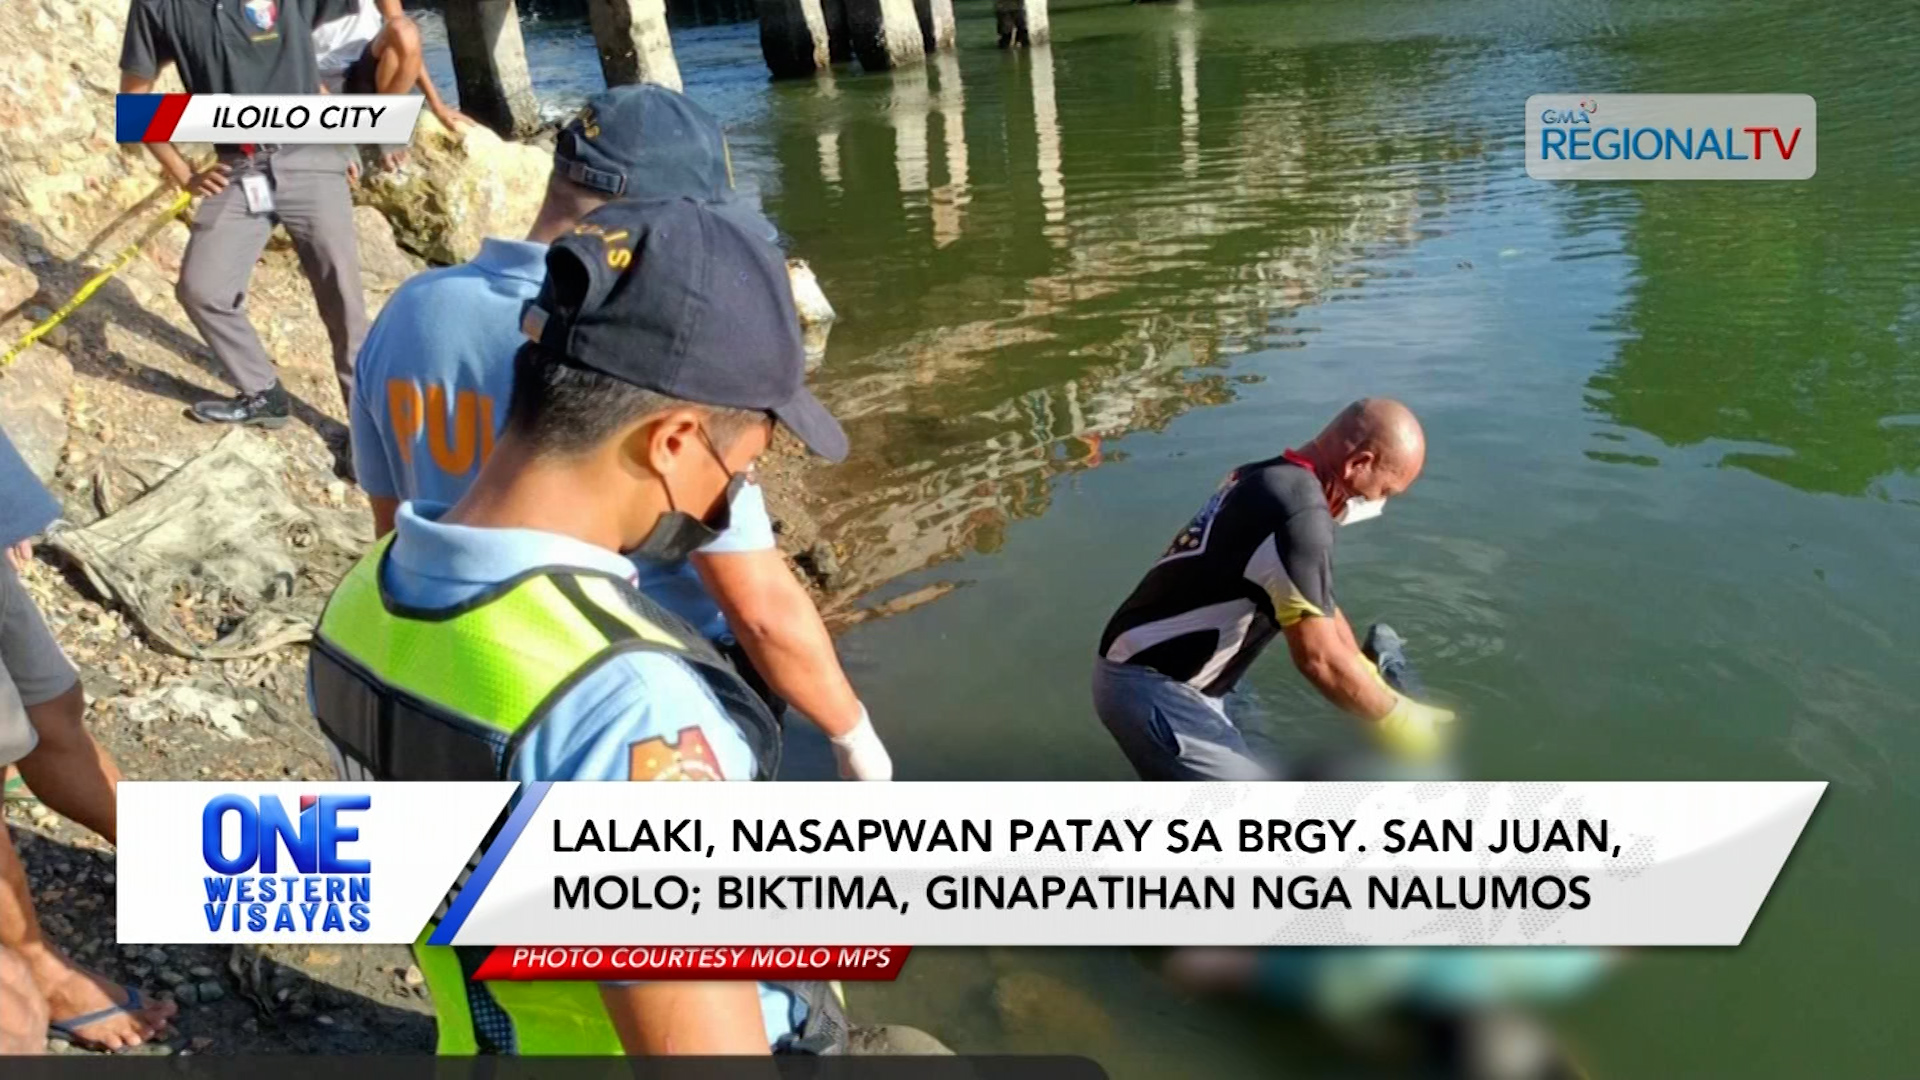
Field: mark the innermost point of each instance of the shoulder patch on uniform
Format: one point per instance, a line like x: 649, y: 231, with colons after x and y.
x: 687, y: 756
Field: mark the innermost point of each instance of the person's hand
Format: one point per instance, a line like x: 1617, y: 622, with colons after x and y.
x: 209, y: 182
x: 353, y: 170
x: 393, y: 159
x: 1413, y: 730
x: 450, y: 118
x: 20, y: 554
x: 861, y: 754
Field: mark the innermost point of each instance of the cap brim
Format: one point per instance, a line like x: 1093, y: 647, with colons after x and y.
x: 750, y: 221
x: 814, y: 425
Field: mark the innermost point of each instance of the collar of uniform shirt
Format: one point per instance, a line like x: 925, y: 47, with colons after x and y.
x: 426, y: 546
x: 521, y: 259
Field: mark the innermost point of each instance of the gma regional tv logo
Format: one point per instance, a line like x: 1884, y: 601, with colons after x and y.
x: 271, y: 871
x: 1671, y: 137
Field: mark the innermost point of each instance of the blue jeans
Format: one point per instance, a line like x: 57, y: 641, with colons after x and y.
x: 1169, y: 730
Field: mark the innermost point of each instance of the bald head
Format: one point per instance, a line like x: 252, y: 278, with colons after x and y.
x: 1374, y: 449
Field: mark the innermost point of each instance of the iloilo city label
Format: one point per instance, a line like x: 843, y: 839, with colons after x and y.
x: 1671, y: 137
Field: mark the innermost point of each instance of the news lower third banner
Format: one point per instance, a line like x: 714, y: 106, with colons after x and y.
x: 267, y: 119
x: 689, y: 880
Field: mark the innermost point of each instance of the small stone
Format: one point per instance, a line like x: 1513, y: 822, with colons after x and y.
x: 212, y: 991
x: 172, y: 978
x: 131, y: 952
x: 188, y: 994
x: 199, y: 1043
x: 413, y: 976
x: 200, y: 971
x: 156, y: 957
x: 58, y: 1046
x: 140, y: 971
x: 323, y: 1020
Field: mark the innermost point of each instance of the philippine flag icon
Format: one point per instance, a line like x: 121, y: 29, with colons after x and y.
x: 262, y: 14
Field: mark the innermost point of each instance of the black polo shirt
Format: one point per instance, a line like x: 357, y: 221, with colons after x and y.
x: 229, y: 46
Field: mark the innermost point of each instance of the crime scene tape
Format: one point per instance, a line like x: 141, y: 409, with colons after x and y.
x: 93, y: 284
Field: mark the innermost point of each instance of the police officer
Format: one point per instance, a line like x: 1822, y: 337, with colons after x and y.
x: 252, y: 47
x: 503, y: 636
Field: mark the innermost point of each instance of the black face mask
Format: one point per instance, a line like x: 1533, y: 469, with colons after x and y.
x: 679, y: 534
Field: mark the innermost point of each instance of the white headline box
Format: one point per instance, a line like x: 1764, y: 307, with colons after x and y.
x: 969, y: 863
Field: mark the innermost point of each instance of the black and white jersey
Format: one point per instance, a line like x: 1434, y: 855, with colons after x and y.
x: 1256, y: 558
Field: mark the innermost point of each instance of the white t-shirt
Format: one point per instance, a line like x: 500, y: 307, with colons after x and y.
x: 337, y: 44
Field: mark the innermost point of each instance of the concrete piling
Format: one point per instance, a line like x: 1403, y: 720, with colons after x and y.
x: 490, y: 66
x: 885, y: 33
x: 793, y: 37
x: 1021, y: 22
x: 633, y: 42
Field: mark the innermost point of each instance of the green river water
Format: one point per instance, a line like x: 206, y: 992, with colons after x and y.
x: 1670, y: 520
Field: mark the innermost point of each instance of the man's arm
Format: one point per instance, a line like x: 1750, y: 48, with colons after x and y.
x: 779, y: 627
x: 1323, y: 651
x: 210, y: 182
x: 646, y: 717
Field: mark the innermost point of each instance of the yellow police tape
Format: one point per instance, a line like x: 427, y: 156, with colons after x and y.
x: 93, y: 284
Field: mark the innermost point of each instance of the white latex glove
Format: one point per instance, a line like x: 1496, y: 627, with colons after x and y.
x: 861, y: 754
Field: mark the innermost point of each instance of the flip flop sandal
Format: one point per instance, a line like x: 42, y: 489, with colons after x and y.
x: 16, y: 791
x: 69, y: 1029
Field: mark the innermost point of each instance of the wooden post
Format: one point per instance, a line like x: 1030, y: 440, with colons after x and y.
x: 633, y: 41
x: 885, y: 33
x: 490, y: 65
x: 1021, y: 22
x: 793, y: 37
x: 936, y: 23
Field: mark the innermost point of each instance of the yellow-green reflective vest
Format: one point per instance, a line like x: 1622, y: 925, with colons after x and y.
x: 449, y: 694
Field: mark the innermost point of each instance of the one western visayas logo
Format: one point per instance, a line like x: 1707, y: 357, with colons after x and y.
x: 316, y: 888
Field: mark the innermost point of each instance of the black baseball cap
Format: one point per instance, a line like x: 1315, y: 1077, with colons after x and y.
x: 678, y: 297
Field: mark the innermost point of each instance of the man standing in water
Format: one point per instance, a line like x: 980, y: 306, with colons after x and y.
x: 1257, y: 561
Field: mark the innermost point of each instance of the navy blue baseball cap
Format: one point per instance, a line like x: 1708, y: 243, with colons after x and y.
x: 645, y: 142
x: 678, y: 297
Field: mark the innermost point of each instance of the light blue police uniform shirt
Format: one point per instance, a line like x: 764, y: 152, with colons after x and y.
x: 590, y: 733
x: 432, y: 384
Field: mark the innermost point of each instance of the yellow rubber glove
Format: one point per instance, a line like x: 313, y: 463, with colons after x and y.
x: 1413, y: 730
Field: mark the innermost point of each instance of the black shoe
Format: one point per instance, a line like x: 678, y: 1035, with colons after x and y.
x: 267, y: 409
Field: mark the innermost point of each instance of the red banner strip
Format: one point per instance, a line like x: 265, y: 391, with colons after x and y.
x: 649, y: 963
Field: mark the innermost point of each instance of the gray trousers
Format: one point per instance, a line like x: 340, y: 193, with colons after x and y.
x: 311, y: 199
x: 1169, y: 730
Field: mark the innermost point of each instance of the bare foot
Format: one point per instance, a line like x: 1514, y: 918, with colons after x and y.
x: 81, y: 992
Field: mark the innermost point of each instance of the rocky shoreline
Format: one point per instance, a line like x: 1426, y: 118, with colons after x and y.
x: 98, y: 408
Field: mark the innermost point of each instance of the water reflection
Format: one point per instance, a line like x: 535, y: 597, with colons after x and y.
x: 950, y: 199
x: 1046, y: 130
x: 1186, y: 43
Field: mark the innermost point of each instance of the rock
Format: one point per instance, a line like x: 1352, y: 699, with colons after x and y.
x: 816, y: 314
x: 58, y: 1046
x: 456, y: 189
x: 211, y: 991
x: 33, y: 407
x: 172, y: 978
x: 383, y: 265
x: 156, y: 956
x: 889, y: 1040
x: 199, y: 1043
x: 413, y: 976
x: 185, y: 701
x: 187, y: 994
x: 200, y: 971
